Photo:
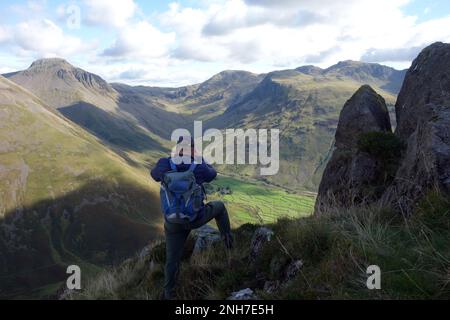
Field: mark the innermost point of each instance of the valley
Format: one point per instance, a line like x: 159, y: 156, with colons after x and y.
x: 75, y: 154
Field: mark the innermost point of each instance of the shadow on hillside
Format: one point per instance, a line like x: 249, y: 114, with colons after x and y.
x: 97, y: 225
x: 157, y: 120
x: 111, y: 128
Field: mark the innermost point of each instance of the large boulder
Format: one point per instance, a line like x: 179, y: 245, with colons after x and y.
x: 349, y: 170
x: 261, y: 236
x: 204, y: 237
x: 423, y: 116
x: 366, y: 111
x: 426, y: 165
x: 427, y: 84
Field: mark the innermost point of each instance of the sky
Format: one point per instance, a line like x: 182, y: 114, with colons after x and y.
x: 165, y: 43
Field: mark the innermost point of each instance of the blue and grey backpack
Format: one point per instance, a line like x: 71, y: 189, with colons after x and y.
x: 181, y: 197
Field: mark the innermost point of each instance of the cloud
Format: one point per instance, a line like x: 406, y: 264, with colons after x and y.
x: 321, y: 56
x: 43, y: 38
x: 286, y: 33
x: 237, y: 15
x: 286, y: 3
x: 262, y: 35
x: 140, y: 40
x: 133, y: 74
x: 109, y: 13
x: 398, y: 54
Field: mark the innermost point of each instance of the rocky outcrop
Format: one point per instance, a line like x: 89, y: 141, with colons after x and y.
x: 423, y: 116
x: 204, y: 237
x: 426, y: 165
x: 423, y: 126
x: 427, y: 84
x: 349, y: 170
x: 260, y: 238
x: 366, y: 111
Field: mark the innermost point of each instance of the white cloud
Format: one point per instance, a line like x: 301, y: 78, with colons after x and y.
x: 4, y: 70
x: 43, y: 38
x: 291, y: 32
x: 112, y: 13
x: 142, y: 41
x: 399, y: 54
x: 158, y: 72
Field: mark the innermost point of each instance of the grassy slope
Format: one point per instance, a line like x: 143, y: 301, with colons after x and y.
x: 256, y: 202
x: 336, y: 248
x: 64, y: 197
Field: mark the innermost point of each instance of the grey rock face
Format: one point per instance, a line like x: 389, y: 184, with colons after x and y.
x: 349, y: 170
x: 204, y: 237
x: 423, y: 117
x: 366, y: 111
x: 427, y: 83
x: 260, y: 237
x: 426, y: 165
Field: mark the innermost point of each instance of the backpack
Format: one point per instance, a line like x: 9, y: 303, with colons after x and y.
x: 181, y: 197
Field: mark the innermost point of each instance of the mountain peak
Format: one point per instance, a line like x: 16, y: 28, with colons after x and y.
x: 310, y: 70
x: 51, y: 63
x: 72, y: 83
x: 349, y: 63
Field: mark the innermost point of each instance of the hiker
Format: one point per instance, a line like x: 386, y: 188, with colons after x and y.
x: 180, y: 182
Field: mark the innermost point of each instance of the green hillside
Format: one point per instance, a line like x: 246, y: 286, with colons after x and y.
x: 64, y: 197
x: 305, y: 107
x: 256, y: 202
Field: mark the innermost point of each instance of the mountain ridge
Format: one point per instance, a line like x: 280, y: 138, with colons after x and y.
x: 227, y: 72
x: 141, y: 119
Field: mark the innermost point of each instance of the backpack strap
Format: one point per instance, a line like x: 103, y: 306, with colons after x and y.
x: 192, y: 166
x: 173, y: 166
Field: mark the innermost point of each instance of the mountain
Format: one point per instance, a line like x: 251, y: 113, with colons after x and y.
x: 200, y: 101
x: 386, y: 78
x: 305, y: 104
x: 60, y: 84
x: 124, y: 121
x: 65, y: 198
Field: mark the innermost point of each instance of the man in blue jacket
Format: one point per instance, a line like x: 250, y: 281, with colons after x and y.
x: 176, y: 234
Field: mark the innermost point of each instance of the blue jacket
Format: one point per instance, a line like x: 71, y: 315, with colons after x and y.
x: 203, y: 172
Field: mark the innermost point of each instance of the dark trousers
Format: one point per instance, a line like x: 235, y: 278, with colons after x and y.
x: 176, y: 235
